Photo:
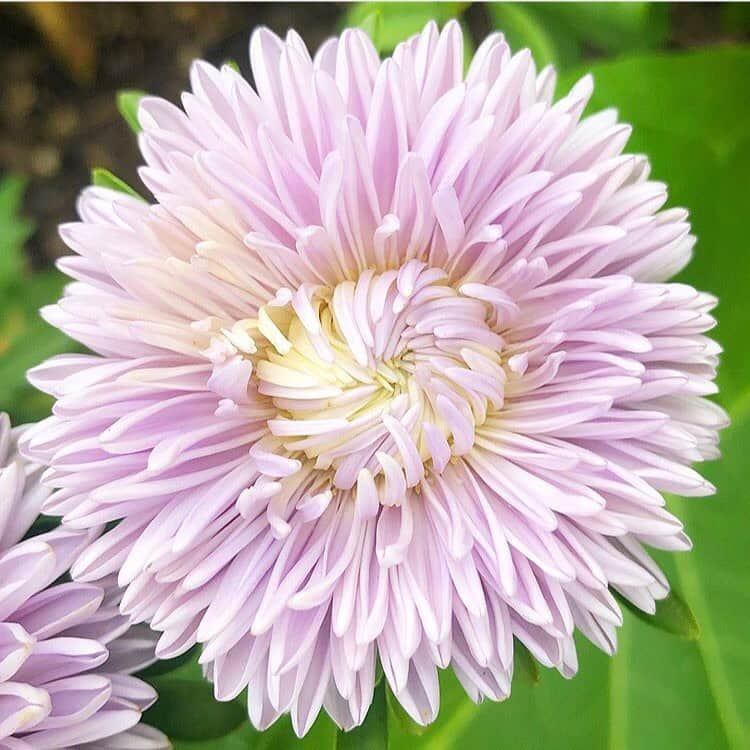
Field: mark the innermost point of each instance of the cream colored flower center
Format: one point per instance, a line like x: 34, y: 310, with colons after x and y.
x: 375, y: 381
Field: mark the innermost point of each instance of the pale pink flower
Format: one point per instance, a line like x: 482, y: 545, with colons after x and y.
x: 390, y: 370
x: 66, y: 653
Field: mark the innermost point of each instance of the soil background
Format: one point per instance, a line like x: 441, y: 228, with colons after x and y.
x: 62, y: 64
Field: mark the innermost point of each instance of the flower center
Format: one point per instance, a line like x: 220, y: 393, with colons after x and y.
x: 376, y: 380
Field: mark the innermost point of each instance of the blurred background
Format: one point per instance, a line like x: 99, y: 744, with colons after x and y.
x: 678, y: 72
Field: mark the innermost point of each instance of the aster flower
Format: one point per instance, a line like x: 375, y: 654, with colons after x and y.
x: 65, y: 650
x: 389, y: 371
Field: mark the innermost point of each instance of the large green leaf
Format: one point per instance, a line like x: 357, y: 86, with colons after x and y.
x: 699, y: 96
x: 609, y: 27
x: 280, y: 736
x: 561, y: 33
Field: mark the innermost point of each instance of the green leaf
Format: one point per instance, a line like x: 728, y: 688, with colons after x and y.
x: 24, y: 337
x: 697, y: 96
x: 14, y: 229
x: 610, y: 27
x: 372, y: 24
x: 672, y: 615
x: 233, y: 64
x: 523, y: 27
x: 715, y: 579
x: 187, y: 710
x: 526, y: 666
x: 279, y: 736
x: 373, y: 733
x: 127, y: 103
x: 735, y: 17
x: 560, y: 33
x: 104, y: 178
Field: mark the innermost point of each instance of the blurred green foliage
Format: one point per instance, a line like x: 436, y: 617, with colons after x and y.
x: 560, y: 33
x: 25, y: 339
x: 563, y: 33
x: 691, y: 115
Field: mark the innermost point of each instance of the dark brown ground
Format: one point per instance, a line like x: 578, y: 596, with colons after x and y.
x: 57, y: 113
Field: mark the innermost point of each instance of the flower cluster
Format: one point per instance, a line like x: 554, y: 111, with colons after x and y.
x: 66, y: 653
x: 389, y: 371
